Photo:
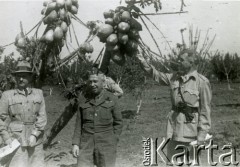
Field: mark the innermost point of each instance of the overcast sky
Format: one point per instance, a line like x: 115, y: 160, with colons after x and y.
x: 222, y: 17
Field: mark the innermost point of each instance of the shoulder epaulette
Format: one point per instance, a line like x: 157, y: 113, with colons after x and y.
x: 110, y: 95
x: 203, y: 78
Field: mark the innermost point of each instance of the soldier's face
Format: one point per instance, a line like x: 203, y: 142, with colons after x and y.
x: 23, y: 80
x: 95, y: 83
x: 185, y: 64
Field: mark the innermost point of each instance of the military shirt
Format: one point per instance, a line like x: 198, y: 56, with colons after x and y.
x: 22, y: 115
x: 98, y: 115
x: 197, y: 93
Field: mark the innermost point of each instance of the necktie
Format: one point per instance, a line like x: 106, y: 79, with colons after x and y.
x: 26, y: 92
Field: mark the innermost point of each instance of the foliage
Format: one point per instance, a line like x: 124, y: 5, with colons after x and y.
x: 31, y: 46
x: 226, y: 65
x: 157, y: 4
x: 8, y: 65
x: 162, y: 65
x: 1, y: 50
x: 130, y: 75
x: 76, y: 72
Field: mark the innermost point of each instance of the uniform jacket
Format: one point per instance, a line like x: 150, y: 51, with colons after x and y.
x: 71, y: 109
x: 196, y: 91
x: 98, y: 115
x: 22, y: 116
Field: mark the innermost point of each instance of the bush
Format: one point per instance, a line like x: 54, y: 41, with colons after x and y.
x: 8, y: 65
x: 226, y: 66
x: 130, y: 74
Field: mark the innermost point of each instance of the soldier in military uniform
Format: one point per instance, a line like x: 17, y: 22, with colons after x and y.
x: 98, y: 126
x: 23, y: 117
x: 70, y: 110
x: 191, y: 95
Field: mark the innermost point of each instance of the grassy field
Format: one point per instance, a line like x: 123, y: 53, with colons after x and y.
x: 150, y: 123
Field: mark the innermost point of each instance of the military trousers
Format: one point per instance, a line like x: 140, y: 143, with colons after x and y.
x: 27, y: 157
x: 97, y: 149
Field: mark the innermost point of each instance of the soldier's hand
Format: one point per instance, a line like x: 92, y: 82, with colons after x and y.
x: 200, y: 142
x: 75, y: 150
x: 32, y: 141
x: 140, y: 56
x: 181, y: 105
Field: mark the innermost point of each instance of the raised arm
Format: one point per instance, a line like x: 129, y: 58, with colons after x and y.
x: 158, y: 76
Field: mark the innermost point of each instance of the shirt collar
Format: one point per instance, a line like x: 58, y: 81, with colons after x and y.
x: 23, y: 92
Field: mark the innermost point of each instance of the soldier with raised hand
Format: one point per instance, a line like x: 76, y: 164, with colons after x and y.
x: 189, y: 118
x: 98, y: 126
x: 23, y: 117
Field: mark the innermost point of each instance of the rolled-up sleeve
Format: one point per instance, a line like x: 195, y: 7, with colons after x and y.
x: 41, y: 120
x: 160, y: 77
x: 3, y: 117
x: 204, y: 123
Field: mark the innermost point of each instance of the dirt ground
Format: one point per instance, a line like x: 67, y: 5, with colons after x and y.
x: 150, y: 123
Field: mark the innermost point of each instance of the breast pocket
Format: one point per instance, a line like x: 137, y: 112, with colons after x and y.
x: 106, y: 110
x: 87, y: 111
x: 16, y: 126
x: 191, y: 97
x: 15, y: 107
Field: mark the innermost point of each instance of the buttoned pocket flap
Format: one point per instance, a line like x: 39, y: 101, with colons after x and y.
x: 106, y: 109
x: 192, y: 91
x: 16, y: 127
x: 108, y: 104
x: 15, y: 106
x: 14, y: 102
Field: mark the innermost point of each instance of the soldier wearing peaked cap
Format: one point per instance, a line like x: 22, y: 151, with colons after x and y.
x: 23, y: 117
x: 189, y: 118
